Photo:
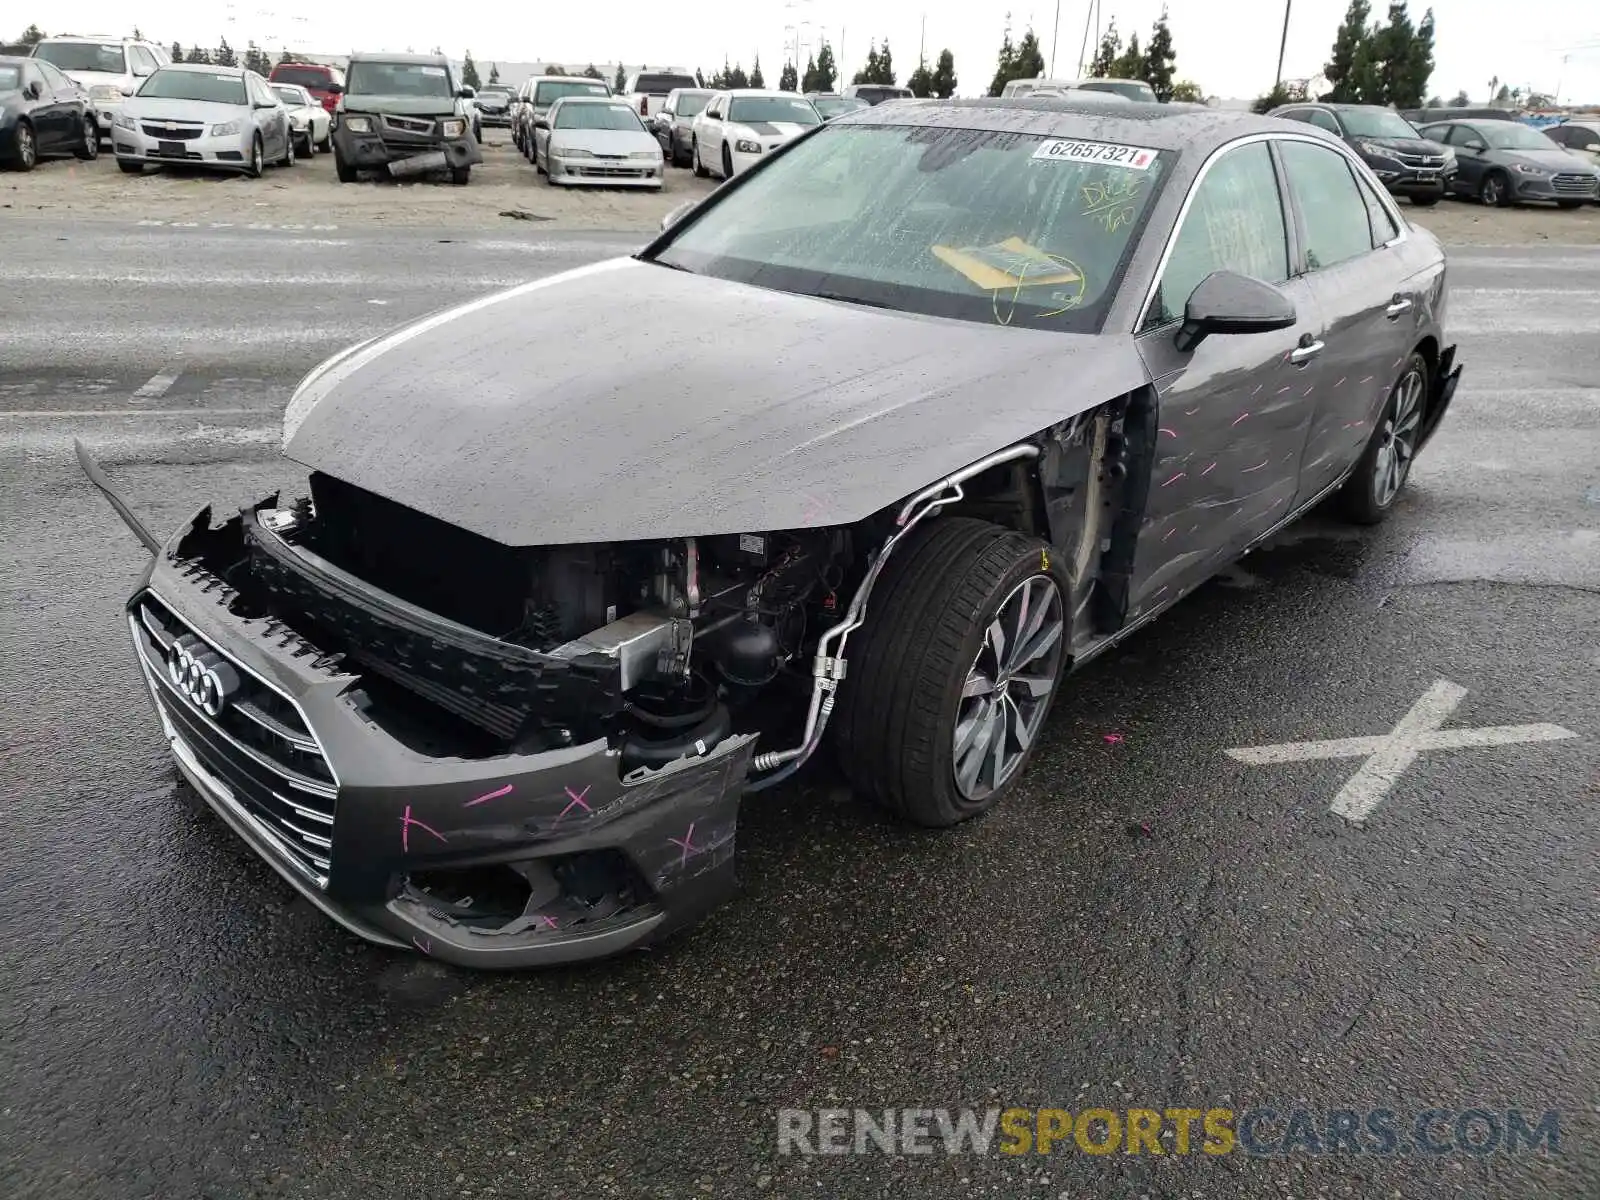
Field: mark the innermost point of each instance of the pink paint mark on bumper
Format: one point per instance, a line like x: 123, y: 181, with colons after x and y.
x: 576, y: 800
x: 406, y: 822
x: 1168, y: 432
x: 1209, y: 469
x: 686, y: 844
x: 487, y: 796
x: 1175, y: 478
x: 1257, y: 467
x: 1242, y: 415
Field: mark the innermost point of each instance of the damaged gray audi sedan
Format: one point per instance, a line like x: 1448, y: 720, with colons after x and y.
x: 939, y: 402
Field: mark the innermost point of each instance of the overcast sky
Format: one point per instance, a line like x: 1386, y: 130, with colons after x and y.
x: 1230, y: 49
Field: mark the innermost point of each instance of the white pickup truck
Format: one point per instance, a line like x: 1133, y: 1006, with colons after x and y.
x: 647, y: 91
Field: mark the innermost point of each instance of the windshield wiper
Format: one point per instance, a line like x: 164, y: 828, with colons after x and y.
x: 843, y: 299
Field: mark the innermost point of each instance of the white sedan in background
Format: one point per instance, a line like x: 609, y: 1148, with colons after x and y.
x: 312, y: 124
x: 596, y: 140
x: 736, y: 129
x: 221, y: 118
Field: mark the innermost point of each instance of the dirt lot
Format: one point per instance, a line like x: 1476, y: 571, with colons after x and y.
x: 309, y: 196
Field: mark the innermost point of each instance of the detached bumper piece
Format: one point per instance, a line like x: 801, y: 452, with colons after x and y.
x: 408, y: 149
x: 1445, y: 379
x: 507, y: 860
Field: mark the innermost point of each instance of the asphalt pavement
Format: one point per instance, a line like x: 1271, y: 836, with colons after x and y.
x: 1153, y: 923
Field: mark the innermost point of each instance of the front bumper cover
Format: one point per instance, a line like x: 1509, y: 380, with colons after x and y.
x: 381, y: 147
x: 399, y: 814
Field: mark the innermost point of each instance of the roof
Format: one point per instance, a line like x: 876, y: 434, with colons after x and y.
x: 760, y: 92
x: 205, y: 69
x: 1133, y: 122
x: 622, y: 100
x: 421, y: 60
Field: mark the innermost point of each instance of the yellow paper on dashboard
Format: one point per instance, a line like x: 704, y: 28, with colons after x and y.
x: 1007, y: 265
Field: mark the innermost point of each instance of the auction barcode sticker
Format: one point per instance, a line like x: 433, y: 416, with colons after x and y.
x: 1135, y: 158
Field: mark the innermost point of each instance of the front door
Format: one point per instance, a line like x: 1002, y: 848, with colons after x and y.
x: 1350, y: 245
x: 1234, y: 411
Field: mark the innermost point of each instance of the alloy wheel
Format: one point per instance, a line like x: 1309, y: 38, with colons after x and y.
x: 91, y: 139
x: 27, y: 152
x: 1491, y: 191
x: 1007, y: 691
x: 1399, y: 444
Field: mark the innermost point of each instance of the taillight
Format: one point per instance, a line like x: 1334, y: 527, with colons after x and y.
x: 644, y: 106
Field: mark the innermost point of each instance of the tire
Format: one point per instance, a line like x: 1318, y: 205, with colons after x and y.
x: 289, y: 152
x: 1495, y: 190
x: 129, y: 167
x: 89, y: 149
x: 904, y: 702
x: 308, y: 146
x: 1424, y: 201
x: 25, y: 154
x: 1369, y: 493
x: 1569, y: 203
x: 326, y: 144
x: 727, y: 162
x: 700, y: 171
x: 345, y: 172
x: 477, y: 133
x: 253, y: 168
x: 460, y: 176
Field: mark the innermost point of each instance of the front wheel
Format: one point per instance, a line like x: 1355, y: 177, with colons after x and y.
x: 1385, y: 464
x: 699, y: 167
x: 89, y: 148
x: 954, y: 672
x: 345, y: 171
x: 460, y: 176
x: 308, y: 146
x: 253, y: 167
x: 288, y: 152
x: 727, y: 162
x: 1424, y: 201
x: 1494, y: 190
x: 25, y: 155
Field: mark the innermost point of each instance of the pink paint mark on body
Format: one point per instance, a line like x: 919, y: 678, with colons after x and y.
x: 1175, y: 478
x: 1189, y: 412
x: 426, y: 947
x: 1368, y: 379
x: 549, y: 922
x: 1209, y: 469
x: 1116, y: 739
x: 1242, y: 415
x: 1309, y: 390
x: 1166, y: 431
x: 577, y: 801
x: 1257, y: 467
x: 1282, y: 390
x: 686, y: 843
x: 1168, y: 534
x: 1259, y: 386
x: 406, y: 822
x: 487, y: 796
x: 1342, y: 378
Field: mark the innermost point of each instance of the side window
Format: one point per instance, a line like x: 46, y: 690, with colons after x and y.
x: 143, y: 62
x: 1323, y: 120
x: 31, y: 74
x: 1437, y: 133
x: 1235, y: 223
x: 1379, y: 220
x: 1337, y: 227
x: 53, y: 78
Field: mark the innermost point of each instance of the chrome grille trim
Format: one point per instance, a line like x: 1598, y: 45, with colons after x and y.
x: 276, y: 727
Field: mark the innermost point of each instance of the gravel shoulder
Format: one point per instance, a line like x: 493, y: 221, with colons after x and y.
x: 505, y: 183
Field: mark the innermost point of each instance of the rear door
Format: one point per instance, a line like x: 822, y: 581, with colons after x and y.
x: 1233, y: 412
x: 1351, y: 258
x: 56, y: 119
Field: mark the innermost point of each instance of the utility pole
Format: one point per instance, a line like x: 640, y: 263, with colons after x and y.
x: 1055, y: 36
x: 1088, y: 15
x: 922, y: 42
x: 1283, y: 44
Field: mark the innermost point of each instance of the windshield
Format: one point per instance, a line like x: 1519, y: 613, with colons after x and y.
x: 195, y: 85
x: 292, y: 96
x: 585, y: 115
x: 106, y: 58
x: 1009, y: 228
x: 10, y: 77
x: 837, y: 105
x: 690, y: 103
x: 660, y: 85
x: 549, y: 92
x: 496, y: 90
x: 1512, y: 135
x: 763, y: 109
x: 301, y: 76
x: 1376, y: 122
x: 399, y: 79
x: 1131, y: 89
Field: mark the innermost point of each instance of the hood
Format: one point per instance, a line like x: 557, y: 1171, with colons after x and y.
x: 88, y: 79
x: 160, y: 108
x: 625, y: 401
x: 1402, y: 144
x: 768, y: 130
x: 401, y: 106
x: 1553, y: 159
x: 604, y: 141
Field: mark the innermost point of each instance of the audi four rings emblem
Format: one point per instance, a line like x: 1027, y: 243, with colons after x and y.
x: 201, y: 674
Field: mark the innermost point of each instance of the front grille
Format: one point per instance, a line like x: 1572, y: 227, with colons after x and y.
x: 606, y: 172
x: 260, y: 746
x: 408, y: 124
x: 173, y: 135
x: 1574, y: 184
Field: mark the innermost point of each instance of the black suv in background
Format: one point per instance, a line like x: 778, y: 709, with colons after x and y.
x: 1403, y: 160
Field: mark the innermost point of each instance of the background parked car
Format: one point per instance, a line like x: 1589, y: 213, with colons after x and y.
x: 1507, y: 162
x: 830, y: 104
x: 1577, y: 137
x: 877, y: 93
x: 316, y: 78
x: 1427, y: 116
x: 596, y: 140
x: 539, y: 93
x: 1409, y: 164
x: 1128, y: 89
x: 737, y: 129
x: 225, y: 118
x: 110, y: 68
x: 311, y: 123
x: 493, y: 102
x: 647, y: 91
x: 673, y: 125
x: 405, y: 114
x: 42, y: 112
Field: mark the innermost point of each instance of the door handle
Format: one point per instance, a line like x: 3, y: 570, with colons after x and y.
x: 1306, y: 352
x: 1399, y: 306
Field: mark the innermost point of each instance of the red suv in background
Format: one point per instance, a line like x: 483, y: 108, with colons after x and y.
x: 316, y: 78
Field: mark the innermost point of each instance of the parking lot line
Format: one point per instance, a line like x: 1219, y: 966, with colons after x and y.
x: 1389, y: 755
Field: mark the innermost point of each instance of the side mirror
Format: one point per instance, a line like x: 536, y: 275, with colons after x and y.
x: 1228, y: 302
x: 127, y: 89
x: 1593, y: 148
x: 676, y: 215
x: 540, y: 123
x: 336, y: 89
x: 466, y: 93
